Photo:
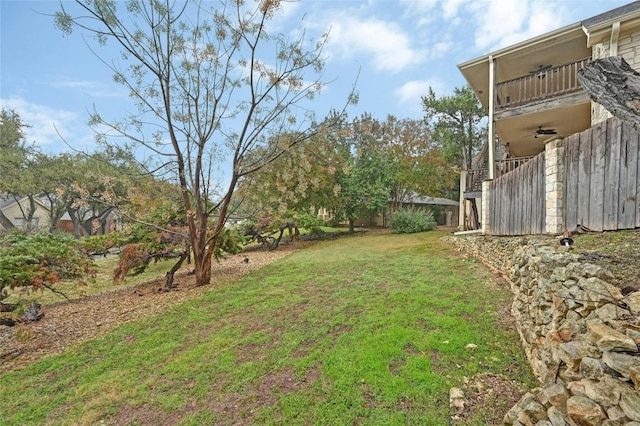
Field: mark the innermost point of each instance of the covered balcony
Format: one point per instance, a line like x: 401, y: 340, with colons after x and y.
x: 542, y: 84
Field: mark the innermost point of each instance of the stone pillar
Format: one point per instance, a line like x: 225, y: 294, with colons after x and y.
x: 462, y: 209
x: 485, y: 208
x: 554, y: 186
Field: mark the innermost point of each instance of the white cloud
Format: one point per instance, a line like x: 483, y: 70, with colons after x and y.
x: 411, y: 92
x: 388, y: 45
x: 505, y: 22
x: 95, y: 89
x: 451, y: 8
x: 49, y: 127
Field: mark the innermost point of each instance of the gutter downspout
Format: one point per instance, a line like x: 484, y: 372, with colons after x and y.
x: 615, y: 33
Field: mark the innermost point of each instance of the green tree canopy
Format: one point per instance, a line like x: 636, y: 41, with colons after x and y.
x: 457, y: 124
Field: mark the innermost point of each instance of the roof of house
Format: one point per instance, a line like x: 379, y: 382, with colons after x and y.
x: 612, y: 14
x: 7, y: 200
x: 425, y: 199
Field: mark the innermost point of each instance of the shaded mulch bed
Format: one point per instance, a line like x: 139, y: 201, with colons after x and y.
x: 66, y: 324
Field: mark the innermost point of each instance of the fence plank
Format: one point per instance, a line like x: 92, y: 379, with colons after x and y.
x: 541, y: 213
x: 634, y: 133
x: 571, y: 164
x: 612, y: 175
x: 596, y: 177
x: 628, y: 179
x: 584, y: 168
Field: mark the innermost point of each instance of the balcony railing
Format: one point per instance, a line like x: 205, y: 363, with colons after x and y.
x: 539, y: 85
x: 476, y: 176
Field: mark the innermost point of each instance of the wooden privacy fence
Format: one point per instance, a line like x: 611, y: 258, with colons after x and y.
x: 517, y: 200
x: 602, y: 177
x: 592, y: 179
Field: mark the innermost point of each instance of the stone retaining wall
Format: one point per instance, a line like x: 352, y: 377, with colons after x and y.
x: 580, y: 333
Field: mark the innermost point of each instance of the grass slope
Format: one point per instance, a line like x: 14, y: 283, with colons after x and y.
x: 363, y: 330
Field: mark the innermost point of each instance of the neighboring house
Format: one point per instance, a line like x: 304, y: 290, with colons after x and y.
x: 531, y: 92
x: 445, y: 211
x: 15, y: 211
x: 107, y: 223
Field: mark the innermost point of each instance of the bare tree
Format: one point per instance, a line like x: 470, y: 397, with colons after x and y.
x: 216, y: 86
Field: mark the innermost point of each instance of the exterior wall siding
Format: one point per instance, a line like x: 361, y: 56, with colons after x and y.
x: 629, y: 50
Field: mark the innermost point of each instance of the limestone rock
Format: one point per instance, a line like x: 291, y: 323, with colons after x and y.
x: 584, y: 411
x: 606, y: 391
x: 610, y: 312
x: 609, y: 339
x: 616, y: 414
x: 599, y: 291
x: 630, y: 404
x: 621, y: 362
x: 574, y: 351
x: 591, y: 368
x: 555, y: 393
x: 633, y: 302
x: 634, y: 375
x: 557, y: 416
x: 456, y: 400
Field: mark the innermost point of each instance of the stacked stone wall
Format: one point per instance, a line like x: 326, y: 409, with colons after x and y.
x: 579, y: 332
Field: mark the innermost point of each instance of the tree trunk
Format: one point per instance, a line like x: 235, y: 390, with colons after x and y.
x: 169, y: 276
x: 612, y: 83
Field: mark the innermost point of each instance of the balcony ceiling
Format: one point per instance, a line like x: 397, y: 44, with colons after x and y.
x: 519, y: 132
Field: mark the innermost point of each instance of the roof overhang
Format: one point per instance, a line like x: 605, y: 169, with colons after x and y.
x: 519, y: 59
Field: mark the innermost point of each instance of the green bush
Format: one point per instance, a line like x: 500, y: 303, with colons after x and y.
x: 40, y: 260
x: 408, y: 221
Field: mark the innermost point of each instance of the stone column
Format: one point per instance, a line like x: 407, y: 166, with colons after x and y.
x: 554, y: 185
x: 462, y: 211
x: 485, y: 208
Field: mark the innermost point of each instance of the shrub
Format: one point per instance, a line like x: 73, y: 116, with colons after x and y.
x: 408, y: 221
x: 40, y: 260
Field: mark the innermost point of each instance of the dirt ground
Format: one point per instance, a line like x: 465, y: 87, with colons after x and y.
x: 72, y: 322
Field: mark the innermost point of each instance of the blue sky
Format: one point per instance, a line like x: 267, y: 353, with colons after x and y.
x: 399, y: 48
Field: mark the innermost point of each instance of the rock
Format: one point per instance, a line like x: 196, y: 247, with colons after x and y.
x: 555, y: 393
x: 532, y: 407
x: 456, y: 400
x: 574, y: 351
x: 633, y: 302
x: 616, y: 414
x: 584, y: 411
x: 598, y: 291
x: 471, y: 346
x: 610, y: 312
x: 606, y: 391
x: 591, y: 368
x: 621, y: 362
x: 630, y: 404
x: 609, y: 339
x: 634, y: 375
x: 557, y: 416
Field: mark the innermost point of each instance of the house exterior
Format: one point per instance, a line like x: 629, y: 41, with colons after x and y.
x: 13, y: 216
x: 12, y: 210
x: 445, y: 211
x: 531, y: 92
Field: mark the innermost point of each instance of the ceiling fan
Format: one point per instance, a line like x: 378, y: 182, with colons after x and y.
x: 541, y: 68
x: 541, y: 71
x: 541, y: 132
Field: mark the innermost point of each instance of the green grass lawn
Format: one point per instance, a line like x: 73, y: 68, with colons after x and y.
x: 368, y: 330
